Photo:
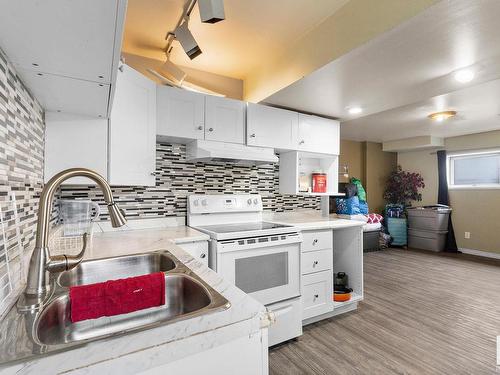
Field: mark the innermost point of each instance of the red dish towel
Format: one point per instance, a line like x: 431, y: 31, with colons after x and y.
x: 116, y: 297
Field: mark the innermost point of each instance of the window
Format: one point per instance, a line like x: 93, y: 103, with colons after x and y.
x: 478, y: 169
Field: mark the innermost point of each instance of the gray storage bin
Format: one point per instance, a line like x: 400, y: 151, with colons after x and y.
x: 429, y: 217
x: 427, y: 240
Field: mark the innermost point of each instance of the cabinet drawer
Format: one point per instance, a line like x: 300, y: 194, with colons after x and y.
x: 288, y: 321
x: 315, y: 261
x: 317, y: 292
x: 198, y: 250
x: 317, y: 240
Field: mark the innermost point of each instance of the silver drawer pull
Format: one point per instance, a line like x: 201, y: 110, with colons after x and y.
x: 203, y: 255
x: 316, y: 296
x: 252, y: 135
x: 200, y: 127
x: 210, y: 129
x: 315, y: 263
x: 315, y: 241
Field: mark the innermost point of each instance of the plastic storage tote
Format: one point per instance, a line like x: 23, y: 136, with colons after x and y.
x: 397, y: 228
x: 427, y: 240
x: 429, y: 217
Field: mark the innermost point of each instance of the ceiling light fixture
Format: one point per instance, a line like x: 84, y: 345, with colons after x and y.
x: 356, y: 110
x: 464, y: 75
x: 211, y: 11
x: 441, y: 116
x: 187, y: 41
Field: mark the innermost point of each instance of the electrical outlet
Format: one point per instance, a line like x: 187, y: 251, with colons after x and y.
x: 467, y: 235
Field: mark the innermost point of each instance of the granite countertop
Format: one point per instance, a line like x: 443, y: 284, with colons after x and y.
x: 105, y: 244
x: 311, y: 220
x: 19, y: 354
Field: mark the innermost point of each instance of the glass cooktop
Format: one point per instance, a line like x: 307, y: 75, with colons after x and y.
x: 242, y: 227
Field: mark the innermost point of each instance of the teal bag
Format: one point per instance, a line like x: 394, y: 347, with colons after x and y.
x: 361, y: 190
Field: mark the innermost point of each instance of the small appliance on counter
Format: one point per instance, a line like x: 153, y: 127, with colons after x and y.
x: 341, y: 291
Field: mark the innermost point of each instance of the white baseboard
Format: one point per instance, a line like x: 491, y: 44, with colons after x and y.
x: 480, y: 253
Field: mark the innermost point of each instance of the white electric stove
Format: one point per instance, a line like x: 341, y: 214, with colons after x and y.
x: 260, y: 258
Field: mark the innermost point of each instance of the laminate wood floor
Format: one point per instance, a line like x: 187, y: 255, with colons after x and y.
x: 423, y: 313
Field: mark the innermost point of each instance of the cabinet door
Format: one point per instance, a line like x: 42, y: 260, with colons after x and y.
x: 224, y: 120
x: 181, y: 113
x: 317, y: 134
x: 75, y: 141
x: 317, y: 293
x: 198, y: 250
x: 132, y: 142
x: 271, y: 127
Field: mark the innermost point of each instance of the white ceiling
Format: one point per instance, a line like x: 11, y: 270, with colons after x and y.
x: 407, y: 73
x: 253, y: 31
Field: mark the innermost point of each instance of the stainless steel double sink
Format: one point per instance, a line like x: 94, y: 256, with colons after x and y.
x: 187, y: 295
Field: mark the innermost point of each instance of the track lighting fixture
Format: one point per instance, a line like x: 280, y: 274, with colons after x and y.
x: 211, y: 11
x: 187, y: 41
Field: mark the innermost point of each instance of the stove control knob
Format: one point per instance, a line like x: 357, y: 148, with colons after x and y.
x: 255, y: 201
x: 249, y: 201
x: 204, y: 202
x: 196, y: 202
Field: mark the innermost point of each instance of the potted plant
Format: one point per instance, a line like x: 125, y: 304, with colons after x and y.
x: 403, y: 187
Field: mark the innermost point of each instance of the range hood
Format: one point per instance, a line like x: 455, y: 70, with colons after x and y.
x: 207, y: 151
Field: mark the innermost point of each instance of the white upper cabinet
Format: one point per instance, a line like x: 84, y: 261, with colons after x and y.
x: 271, y: 127
x: 66, y: 52
x: 224, y: 120
x: 318, y: 134
x: 181, y: 114
x: 73, y: 141
x: 132, y: 151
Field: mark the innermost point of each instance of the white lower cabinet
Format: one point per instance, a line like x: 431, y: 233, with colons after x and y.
x: 317, y: 240
x: 316, y: 261
x: 288, y: 324
x: 317, y: 293
x: 198, y: 250
x: 316, y: 264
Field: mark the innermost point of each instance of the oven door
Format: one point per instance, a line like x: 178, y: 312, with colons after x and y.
x: 266, y: 267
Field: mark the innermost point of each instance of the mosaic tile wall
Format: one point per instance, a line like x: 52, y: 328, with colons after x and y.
x: 21, y: 159
x: 176, y: 178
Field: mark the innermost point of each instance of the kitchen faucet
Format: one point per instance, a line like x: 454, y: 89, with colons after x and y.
x: 41, y: 262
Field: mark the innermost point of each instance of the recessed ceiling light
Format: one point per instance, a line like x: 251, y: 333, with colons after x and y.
x: 464, y: 75
x: 354, y: 110
x: 441, y: 116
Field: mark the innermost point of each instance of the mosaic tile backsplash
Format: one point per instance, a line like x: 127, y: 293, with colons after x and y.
x: 21, y: 162
x: 176, y: 178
